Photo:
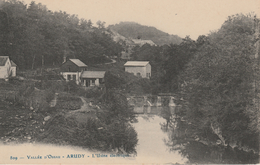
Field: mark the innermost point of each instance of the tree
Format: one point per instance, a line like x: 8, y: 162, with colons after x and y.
x: 217, y: 87
x: 101, y: 25
x: 38, y: 37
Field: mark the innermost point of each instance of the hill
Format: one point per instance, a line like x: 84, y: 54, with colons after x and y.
x: 136, y: 31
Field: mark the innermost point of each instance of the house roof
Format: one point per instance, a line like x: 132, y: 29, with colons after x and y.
x: 78, y: 62
x: 3, y: 60
x: 93, y: 74
x: 13, y: 64
x: 142, y: 42
x: 136, y: 63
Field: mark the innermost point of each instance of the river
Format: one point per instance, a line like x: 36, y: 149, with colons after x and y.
x: 151, y: 146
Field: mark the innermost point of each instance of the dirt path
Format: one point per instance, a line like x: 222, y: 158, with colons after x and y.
x: 84, y: 108
x: 112, y: 62
x: 84, y: 113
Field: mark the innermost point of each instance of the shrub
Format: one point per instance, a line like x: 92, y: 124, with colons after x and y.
x: 93, y: 133
x: 92, y: 92
x: 66, y: 101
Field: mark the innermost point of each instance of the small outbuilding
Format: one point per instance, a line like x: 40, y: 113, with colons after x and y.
x: 92, y: 78
x: 7, y: 67
x: 138, y: 68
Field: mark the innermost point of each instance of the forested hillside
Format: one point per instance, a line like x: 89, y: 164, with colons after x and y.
x: 136, y: 31
x: 34, y: 36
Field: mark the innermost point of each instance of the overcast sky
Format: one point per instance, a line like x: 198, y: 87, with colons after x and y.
x: 181, y: 17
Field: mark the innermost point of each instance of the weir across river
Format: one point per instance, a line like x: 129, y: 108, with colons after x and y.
x: 152, y: 104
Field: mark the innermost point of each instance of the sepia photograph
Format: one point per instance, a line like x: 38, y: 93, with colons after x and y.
x: 129, y: 82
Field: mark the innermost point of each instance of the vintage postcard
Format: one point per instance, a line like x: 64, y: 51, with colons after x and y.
x: 129, y: 82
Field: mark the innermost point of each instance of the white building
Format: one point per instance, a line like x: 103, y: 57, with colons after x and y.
x: 141, y: 42
x: 7, y: 67
x: 92, y: 78
x: 138, y: 68
x: 72, y: 70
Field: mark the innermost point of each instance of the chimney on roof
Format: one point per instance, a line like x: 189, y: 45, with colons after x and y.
x: 64, y: 56
x: 64, y: 59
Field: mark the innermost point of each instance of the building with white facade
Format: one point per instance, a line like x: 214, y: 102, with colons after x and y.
x: 7, y: 67
x: 138, y: 68
x: 92, y: 78
x: 72, y: 70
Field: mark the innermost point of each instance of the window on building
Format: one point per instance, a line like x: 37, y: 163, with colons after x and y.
x: 92, y: 82
x: 69, y: 77
x: 74, y: 77
x: 138, y: 74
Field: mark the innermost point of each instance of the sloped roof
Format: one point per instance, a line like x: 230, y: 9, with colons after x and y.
x: 136, y: 63
x: 78, y: 62
x: 13, y: 64
x: 142, y: 42
x: 3, y: 60
x: 93, y: 74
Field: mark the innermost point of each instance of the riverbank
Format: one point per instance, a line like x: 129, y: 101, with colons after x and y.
x: 55, y: 115
x: 150, y: 149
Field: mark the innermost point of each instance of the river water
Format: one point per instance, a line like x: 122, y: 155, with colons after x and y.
x: 151, y: 146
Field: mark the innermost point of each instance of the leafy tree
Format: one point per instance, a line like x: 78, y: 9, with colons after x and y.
x: 217, y: 88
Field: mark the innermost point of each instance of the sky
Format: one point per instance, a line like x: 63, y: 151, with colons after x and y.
x: 178, y: 17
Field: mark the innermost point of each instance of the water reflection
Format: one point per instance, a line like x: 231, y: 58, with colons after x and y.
x: 182, y: 138
x: 185, y: 138
x: 151, y: 141
x: 198, y: 152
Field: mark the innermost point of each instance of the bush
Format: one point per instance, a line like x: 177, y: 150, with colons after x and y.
x: 66, y: 101
x: 15, y: 80
x: 92, y: 92
x: 93, y: 133
x: 71, y: 87
x: 31, y: 97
